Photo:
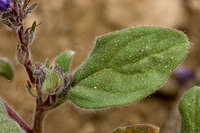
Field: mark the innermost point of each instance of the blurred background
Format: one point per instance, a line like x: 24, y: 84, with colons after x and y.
x: 73, y: 25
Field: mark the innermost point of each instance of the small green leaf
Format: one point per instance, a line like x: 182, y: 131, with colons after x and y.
x: 47, y: 63
x: 64, y: 60
x: 189, y: 108
x: 139, y: 128
x: 33, y: 6
x: 52, y: 83
x: 26, y: 2
x: 127, y: 66
x: 7, y: 15
x: 6, y: 69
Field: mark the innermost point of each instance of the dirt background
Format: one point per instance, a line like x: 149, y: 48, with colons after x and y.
x: 73, y: 25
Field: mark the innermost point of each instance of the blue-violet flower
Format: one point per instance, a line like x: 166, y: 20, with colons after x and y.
x: 4, y: 5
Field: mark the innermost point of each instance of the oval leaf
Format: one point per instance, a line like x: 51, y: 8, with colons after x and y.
x: 6, y: 69
x: 64, y: 60
x: 140, y: 128
x: 189, y: 109
x: 127, y: 66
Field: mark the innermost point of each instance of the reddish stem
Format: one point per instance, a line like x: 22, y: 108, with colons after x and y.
x: 40, y: 107
x: 39, y: 115
x: 28, y: 66
x: 20, y: 34
x: 15, y: 8
x: 28, y: 63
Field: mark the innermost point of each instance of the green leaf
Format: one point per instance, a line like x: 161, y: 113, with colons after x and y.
x: 64, y: 60
x: 8, y: 125
x: 47, y: 63
x: 2, y: 109
x: 52, y: 82
x: 126, y: 66
x: 6, y: 69
x: 189, y: 108
x: 31, y: 7
x: 26, y: 2
x: 139, y: 128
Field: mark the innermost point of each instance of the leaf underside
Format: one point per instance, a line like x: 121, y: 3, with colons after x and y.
x: 140, y: 128
x: 127, y: 66
x: 6, y: 69
x: 189, y: 109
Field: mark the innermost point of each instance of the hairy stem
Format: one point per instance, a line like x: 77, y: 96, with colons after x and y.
x: 29, y: 71
x: 28, y: 63
x: 20, y: 10
x: 39, y: 115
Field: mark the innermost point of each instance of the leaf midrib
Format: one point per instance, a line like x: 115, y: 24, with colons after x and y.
x: 112, y: 69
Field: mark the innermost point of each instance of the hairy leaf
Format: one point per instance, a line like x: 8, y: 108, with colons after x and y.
x: 6, y: 69
x: 139, y: 128
x: 127, y: 66
x: 64, y: 60
x: 189, y: 108
x: 2, y: 108
x: 8, y: 125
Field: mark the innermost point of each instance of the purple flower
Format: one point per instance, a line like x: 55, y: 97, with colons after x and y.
x: 183, y: 74
x: 4, y: 5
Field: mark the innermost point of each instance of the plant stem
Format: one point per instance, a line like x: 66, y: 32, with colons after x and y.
x: 40, y: 108
x: 40, y: 112
x: 39, y: 115
x: 24, y: 57
x: 28, y: 63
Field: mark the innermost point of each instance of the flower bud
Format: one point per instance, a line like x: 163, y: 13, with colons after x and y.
x: 184, y: 74
x: 52, y: 83
x: 4, y: 5
x: 22, y: 54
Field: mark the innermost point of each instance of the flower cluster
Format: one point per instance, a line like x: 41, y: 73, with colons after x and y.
x: 48, y: 84
x: 44, y: 79
x: 14, y: 12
